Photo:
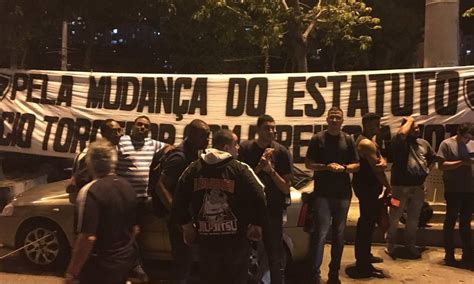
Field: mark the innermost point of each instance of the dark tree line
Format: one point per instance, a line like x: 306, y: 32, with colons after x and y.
x: 215, y: 36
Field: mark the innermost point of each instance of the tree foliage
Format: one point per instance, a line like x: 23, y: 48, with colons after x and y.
x: 469, y: 12
x: 259, y: 23
x: 216, y: 36
x: 289, y: 27
x: 344, y: 31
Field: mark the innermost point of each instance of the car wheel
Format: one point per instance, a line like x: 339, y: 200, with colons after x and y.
x: 44, y: 244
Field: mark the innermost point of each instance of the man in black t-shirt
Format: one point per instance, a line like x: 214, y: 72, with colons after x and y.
x: 412, y: 159
x: 332, y: 156
x: 197, y: 139
x: 272, y: 163
x: 105, y: 250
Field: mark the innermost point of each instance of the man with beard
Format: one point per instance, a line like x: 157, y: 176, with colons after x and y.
x: 413, y: 158
x: 272, y: 163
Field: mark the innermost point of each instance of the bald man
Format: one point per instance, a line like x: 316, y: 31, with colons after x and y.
x: 173, y: 165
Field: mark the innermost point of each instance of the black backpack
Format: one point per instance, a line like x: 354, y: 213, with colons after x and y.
x: 426, y: 214
x: 159, y: 159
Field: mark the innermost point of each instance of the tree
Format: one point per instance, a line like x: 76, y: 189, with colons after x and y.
x: 344, y: 31
x: 259, y: 22
x: 270, y: 22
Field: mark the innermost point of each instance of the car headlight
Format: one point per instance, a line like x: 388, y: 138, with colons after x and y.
x: 7, y: 210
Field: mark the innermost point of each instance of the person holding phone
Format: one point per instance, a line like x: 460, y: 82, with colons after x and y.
x: 413, y: 157
x: 455, y: 162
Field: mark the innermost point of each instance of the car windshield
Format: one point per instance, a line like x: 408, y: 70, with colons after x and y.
x: 300, y: 178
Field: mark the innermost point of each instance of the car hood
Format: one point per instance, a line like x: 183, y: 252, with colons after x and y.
x: 54, y: 192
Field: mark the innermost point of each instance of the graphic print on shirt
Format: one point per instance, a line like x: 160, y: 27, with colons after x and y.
x: 215, y: 216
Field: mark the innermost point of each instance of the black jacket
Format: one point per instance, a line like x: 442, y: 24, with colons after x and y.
x: 220, y: 195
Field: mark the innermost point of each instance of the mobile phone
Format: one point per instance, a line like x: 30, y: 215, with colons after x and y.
x: 394, y: 202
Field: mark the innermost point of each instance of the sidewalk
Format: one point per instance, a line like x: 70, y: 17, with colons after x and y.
x: 429, y: 269
x: 429, y: 236
x: 13, y: 278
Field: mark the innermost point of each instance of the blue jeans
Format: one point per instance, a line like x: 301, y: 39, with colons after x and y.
x: 329, y: 212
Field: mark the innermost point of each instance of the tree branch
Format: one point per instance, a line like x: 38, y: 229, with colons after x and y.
x: 311, y: 26
x: 236, y: 11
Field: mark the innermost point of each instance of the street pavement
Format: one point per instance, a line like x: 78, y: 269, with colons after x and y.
x: 430, y: 269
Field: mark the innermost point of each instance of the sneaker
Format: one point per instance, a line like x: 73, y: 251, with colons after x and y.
x: 413, y: 253
x: 369, y: 272
x: 375, y: 259
x: 139, y: 275
x: 390, y: 253
x: 449, y: 260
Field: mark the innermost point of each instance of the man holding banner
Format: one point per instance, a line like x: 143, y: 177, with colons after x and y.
x: 272, y: 163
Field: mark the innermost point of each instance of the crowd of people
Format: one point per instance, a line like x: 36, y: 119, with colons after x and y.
x: 230, y: 197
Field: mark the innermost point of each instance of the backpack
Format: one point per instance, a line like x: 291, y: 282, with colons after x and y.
x: 426, y: 214
x: 156, y: 168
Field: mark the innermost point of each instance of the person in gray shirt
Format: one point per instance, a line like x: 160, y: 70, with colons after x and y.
x: 454, y: 161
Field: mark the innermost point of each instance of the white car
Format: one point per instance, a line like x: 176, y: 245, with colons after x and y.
x: 44, y: 216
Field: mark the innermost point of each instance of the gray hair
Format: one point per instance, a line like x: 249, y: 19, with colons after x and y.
x: 101, y: 158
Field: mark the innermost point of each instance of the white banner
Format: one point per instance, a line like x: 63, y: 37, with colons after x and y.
x: 57, y: 113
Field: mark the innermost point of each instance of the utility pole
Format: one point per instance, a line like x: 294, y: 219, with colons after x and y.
x: 441, y: 45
